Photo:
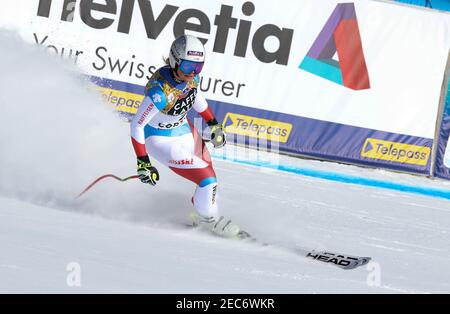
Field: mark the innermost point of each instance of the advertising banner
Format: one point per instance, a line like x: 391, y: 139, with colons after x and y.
x: 442, y: 168
x: 354, y: 81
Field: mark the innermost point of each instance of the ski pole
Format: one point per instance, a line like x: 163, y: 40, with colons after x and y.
x: 104, y: 177
x: 115, y: 177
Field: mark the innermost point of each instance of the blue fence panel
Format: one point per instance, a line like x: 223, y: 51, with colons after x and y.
x: 434, y: 4
x: 442, y: 168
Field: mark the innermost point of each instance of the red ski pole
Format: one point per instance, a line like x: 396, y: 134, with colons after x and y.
x: 104, y: 177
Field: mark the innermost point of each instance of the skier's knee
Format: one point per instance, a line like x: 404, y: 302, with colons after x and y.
x: 207, y: 181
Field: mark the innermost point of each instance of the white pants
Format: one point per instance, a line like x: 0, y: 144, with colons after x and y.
x: 187, y: 155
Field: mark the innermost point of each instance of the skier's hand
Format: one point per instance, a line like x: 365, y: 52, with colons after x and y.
x: 147, y: 173
x: 218, y: 137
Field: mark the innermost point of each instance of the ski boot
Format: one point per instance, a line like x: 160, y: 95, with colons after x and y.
x: 219, y: 226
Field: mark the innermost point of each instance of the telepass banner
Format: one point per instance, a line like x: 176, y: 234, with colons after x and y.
x: 357, y: 81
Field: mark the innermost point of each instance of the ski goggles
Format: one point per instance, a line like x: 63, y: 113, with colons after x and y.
x: 187, y: 67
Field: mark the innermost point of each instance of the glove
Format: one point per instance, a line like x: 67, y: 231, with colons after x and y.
x: 218, y: 136
x: 147, y: 173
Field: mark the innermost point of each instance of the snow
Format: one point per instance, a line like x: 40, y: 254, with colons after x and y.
x: 131, y: 238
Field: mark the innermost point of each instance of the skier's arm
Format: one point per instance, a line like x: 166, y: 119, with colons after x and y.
x: 153, y: 100
x: 201, y: 106
x: 217, y: 135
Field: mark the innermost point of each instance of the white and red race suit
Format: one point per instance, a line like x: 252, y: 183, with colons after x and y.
x: 161, y: 130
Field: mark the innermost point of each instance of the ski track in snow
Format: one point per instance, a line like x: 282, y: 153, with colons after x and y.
x: 406, y: 239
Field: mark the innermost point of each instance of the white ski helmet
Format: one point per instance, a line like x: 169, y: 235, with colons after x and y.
x: 190, y: 49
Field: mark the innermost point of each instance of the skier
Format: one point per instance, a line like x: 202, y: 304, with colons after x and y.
x: 161, y: 129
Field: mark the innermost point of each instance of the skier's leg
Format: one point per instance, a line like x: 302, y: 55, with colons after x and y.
x: 188, y: 156
x: 204, y: 199
x: 180, y: 155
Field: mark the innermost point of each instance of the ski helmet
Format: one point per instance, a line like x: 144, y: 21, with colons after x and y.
x: 188, y: 54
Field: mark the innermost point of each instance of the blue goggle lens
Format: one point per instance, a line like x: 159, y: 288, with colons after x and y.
x: 187, y: 67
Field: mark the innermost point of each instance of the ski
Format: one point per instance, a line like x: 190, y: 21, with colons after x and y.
x: 343, y: 261
x: 340, y: 260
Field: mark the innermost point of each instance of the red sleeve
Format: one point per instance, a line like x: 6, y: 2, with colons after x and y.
x: 201, y: 106
x: 139, y: 148
x: 208, y: 115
